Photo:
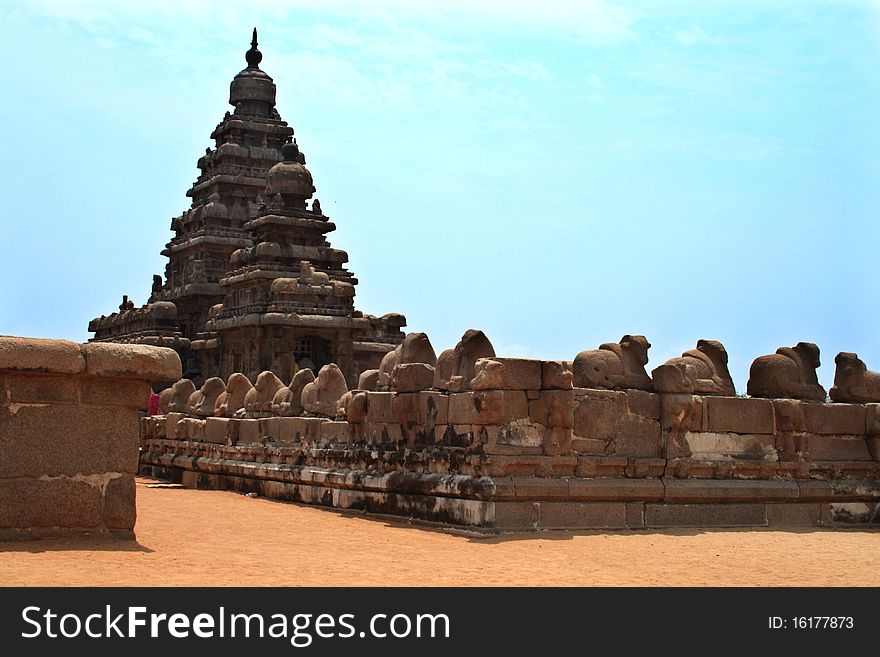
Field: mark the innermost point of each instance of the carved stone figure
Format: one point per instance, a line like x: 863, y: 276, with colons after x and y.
x: 853, y: 382
x: 368, y: 380
x: 456, y: 367
x: 203, y: 400
x: 166, y: 398
x: 127, y: 304
x: 232, y: 400
x: 308, y: 275
x: 790, y: 373
x: 415, y: 348
x: 181, y: 391
x: 322, y: 395
x: 701, y: 371
x: 614, y: 365
x: 156, y: 289
x: 288, y: 401
x: 259, y: 398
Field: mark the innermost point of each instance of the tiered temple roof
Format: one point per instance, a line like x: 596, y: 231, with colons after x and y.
x: 251, y: 282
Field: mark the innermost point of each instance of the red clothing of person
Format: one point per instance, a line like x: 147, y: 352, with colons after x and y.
x: 154, y: 408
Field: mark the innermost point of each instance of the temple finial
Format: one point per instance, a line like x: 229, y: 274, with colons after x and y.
x: 253, y: 57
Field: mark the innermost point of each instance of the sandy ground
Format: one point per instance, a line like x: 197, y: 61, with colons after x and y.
x: 211, y: 538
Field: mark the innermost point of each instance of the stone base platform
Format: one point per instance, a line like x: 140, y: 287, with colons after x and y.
x: 524, y: 503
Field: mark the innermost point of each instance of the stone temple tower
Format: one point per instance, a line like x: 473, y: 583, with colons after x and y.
x: 251, y: 282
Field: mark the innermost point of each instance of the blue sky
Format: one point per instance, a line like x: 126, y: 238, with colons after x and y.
x: 556, y: 174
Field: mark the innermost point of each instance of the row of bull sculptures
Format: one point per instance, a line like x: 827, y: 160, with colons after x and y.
x: 790, y: 373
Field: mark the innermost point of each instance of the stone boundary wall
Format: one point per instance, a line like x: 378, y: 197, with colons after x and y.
x: 69, y: 434
x: 534, y: 452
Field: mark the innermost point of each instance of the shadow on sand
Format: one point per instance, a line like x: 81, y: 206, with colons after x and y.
x: 85, y: 543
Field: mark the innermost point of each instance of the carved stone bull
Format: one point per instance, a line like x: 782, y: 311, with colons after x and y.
x: 614, y: 365
x: 701, y: 371
x: 853, y: 382
x: 203, y: 400
x: 231, y: 402
x: 790, y: 373
x: 288, y: 401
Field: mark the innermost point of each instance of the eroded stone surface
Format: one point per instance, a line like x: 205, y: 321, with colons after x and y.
x: 790, y: 373
x: 456, y: 367
x: 853, y: 382
x: 287, y: 402
x: 614, y: 365
x: 698, y: 371
x: 322, y: 395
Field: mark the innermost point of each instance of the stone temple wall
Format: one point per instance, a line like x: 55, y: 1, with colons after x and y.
x: 69, y: 434
x: 503, y: 443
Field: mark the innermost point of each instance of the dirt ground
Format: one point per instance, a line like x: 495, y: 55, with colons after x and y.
x: 211, y: 538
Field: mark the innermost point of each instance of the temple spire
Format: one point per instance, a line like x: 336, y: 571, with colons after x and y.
x: 253, y: 57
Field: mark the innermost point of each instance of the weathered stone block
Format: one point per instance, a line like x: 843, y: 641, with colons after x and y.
x: 835, y: 418
x: 461, y: 408
x: 601, y: 466
x: 270, y: 428
x: 849, y: 513
x: 216, y: 430
x: 171, y: 422
x: 709, y: 446
x: 553, y: 408
x: 195, y: 429
x: 794, y: 515
x: 740, y: 415
x: 55, y: 502
x: 729, y: 490
x: 25, y: 387
x: 540, y: 488
x: 433, y: 408
x: 356, y: 411
x: 507, y: 374
x: 132, y: 361
x: 521, y: 433
x: 557, y: 441
x: 384, y: 434
x: 637, y: 436
x: 872, y: 419
x: 635, y: 515
x: 249, y: 432
x: 789, y: 415
x: 336, y: 432
x: 131, y: 393
x: 41, y: 355
x: 555, y: 376
x: 405, y: 407
x: 646, y: 404
x: 681, y: 412
x: 705, y: 515
x: 412, y: 377
x: 582, y: 515
x: 120, y: 511
x: 54, y: 440
x: 589, y: 445
x: 615, y: 489
x: 300, y: 429
x: 837, y: 448
x: 516, y: 515
x: 379, y: 407
x: 596, y: 418
x: 498, y: 406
